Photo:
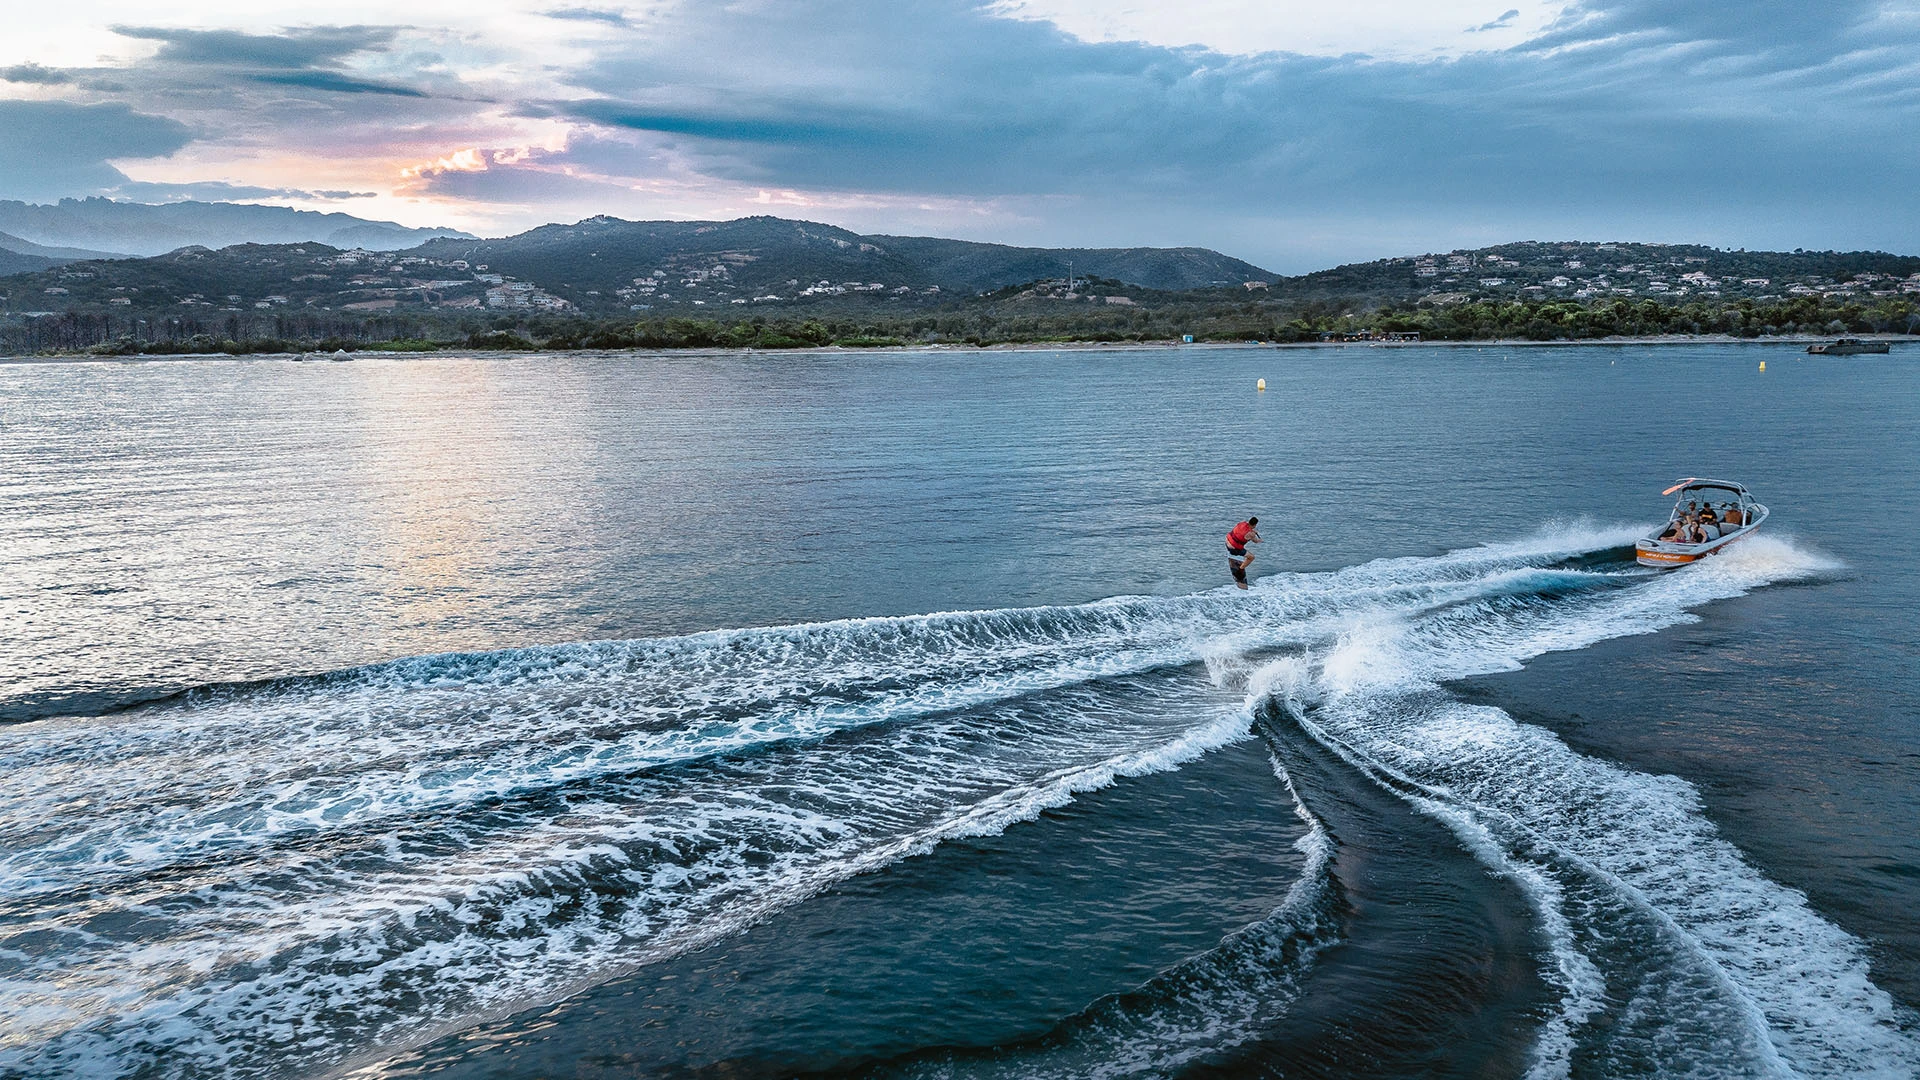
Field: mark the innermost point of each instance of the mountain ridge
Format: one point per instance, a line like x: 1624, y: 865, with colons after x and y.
x: 774, y: 270
x: 19, y: 246
x: 150, y: 229
x: 777, y: 256
x: 19, y: 256
x: 603, y: 267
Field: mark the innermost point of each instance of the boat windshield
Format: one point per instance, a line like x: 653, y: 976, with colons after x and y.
x: 1700, y: 496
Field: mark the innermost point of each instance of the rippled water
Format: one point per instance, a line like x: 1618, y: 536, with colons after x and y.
x: 583, y: 716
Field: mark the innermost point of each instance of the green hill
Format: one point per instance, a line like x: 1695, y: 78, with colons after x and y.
x: 594, y: 280
x: 600, y: 266
x: 600, y: 262
x: 14, y: 262
x: 982, y: 267
x: 1578, y: 270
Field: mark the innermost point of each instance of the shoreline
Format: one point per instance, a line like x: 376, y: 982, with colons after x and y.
x: 1022, y: 346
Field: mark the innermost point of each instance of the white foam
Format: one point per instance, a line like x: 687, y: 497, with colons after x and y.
x: 452, y: 837
x: 1713, y: 969
x: 480, y: 920
x: 434, y: 732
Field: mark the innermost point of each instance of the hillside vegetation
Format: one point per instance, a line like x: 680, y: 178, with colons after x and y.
x: 606, y: 264
x: 770, y: 283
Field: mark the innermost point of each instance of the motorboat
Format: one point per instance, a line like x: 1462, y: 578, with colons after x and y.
x: 1736, y: 512
x: 1849, y: 346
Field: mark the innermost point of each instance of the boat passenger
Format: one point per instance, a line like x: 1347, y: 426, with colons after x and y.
x: 1674, y: 530
x: 1733, y: 516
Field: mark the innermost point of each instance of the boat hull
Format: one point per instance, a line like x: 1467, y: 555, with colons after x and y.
x: 1868, y: 348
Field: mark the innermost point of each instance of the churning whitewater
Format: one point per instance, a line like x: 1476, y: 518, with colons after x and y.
x: 423, y: 844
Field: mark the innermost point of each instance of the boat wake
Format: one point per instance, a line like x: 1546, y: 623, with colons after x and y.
x: 1672, y: 955
x: 316, y: 873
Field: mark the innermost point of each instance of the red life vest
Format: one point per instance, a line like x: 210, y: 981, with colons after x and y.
x: 1238, y: 537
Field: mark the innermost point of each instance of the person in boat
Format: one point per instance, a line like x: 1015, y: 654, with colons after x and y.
x: 1733, y: 516
x: 1684, y: 528
x: 1242, y: 534
x: 1709, y: 523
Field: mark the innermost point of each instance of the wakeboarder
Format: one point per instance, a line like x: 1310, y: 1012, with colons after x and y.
x: 1237, y: 540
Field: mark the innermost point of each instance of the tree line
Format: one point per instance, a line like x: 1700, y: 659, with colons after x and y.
x: 989, y: 321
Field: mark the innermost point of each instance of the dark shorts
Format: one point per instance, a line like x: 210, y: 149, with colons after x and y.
x: 1236, y: 553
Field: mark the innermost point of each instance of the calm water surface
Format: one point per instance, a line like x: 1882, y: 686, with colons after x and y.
x: 405, y: 717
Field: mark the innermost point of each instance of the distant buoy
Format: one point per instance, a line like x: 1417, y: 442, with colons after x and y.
x: 1261, y: 385
x: 1763, y: 365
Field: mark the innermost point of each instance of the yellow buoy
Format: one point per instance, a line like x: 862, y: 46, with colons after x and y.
x: 1261, y: 385
x: 1763, y: 365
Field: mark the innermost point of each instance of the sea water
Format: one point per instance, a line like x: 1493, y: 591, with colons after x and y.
x: 892, y: 714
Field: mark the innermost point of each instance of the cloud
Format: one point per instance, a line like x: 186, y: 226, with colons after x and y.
x: 846, y: 128
x: 231, y: 109
x: 50, y: 149
x: 306, y: 58
x: 523, y: 185
x: 221, y: 191
x: 575, y: 175
x: 1381, y: 29
x: 1559, y: 118
x: 336, y: 83
x: 34, y: 73
x: 1505, y: 20
x: 581, y: 14
x: 292, y: 49
x: 334, y: 102
x: 1626, y: 112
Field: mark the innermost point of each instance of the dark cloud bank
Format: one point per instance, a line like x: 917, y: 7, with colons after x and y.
x: 1626, y: 116
x: 1781, y: 124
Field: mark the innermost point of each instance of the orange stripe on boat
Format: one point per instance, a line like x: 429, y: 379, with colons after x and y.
x: 1670, y: 556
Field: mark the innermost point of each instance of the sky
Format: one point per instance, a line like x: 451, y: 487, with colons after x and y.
x: 1296, y: 135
